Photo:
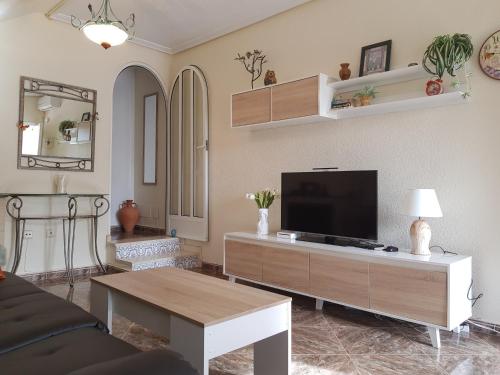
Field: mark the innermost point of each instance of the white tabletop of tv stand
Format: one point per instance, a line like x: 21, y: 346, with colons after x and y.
x: 436, y: 259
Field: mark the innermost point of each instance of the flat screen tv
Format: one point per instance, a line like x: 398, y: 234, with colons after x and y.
x: 336, y: 204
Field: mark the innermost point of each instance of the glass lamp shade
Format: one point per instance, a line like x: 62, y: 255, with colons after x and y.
x: 106, y: 35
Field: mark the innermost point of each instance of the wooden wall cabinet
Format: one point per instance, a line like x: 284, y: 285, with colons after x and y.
x: 297, y: 102
x: 252, y: 107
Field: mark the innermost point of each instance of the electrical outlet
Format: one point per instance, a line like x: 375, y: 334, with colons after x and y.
x: 28, y: 234
x: 51, y: 233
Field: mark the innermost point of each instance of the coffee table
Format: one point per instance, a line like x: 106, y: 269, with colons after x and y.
x: 204, y: 317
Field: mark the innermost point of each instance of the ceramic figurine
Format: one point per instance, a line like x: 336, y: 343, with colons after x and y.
x: 270, y: 78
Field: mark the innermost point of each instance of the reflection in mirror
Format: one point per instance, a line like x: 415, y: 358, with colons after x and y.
x: 56, y: 126
x: 150, y: 130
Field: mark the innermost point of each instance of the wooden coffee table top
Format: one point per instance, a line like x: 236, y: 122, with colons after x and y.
x: 201, y: 299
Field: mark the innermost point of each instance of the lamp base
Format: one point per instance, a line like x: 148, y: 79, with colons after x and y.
x: 420, y: 234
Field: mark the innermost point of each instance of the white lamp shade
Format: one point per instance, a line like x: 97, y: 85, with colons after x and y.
x: 422, y: 203
x: 105, y: 34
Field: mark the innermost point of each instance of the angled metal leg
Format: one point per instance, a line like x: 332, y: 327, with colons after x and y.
x: 101, y: 205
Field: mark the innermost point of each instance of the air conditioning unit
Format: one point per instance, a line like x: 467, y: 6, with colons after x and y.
x: 47, y: 103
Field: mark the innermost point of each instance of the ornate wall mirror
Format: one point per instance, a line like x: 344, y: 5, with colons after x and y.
x: 56, y: 126
x: 150, y: 138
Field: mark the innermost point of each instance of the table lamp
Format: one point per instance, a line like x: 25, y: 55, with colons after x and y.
x: 421, y: 203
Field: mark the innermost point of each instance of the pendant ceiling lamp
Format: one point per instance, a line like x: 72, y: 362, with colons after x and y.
x: 104, y: 27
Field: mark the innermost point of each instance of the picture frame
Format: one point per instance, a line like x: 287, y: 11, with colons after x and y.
x: 375, y: 58
x: 86, y: 117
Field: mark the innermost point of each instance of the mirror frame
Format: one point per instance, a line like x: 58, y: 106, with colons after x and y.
x: 63, y: 91
x: 153, y: 95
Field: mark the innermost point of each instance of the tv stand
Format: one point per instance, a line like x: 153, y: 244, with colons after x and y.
x: 431, y: 291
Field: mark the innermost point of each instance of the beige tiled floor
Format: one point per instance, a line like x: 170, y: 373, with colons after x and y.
x: 341, y: 341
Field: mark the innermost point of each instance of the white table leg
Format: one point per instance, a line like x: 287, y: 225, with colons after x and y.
x: 188, y: 339
x: 319, y: 304
x: 273, y: 355
x: 435, y: 337
x: 101, y: 304
x: 232, y: 279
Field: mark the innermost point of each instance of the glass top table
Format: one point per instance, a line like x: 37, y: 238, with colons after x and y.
x: 15, y: 206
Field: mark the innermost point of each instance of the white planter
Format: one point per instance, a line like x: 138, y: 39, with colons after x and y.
x: 263, y: 224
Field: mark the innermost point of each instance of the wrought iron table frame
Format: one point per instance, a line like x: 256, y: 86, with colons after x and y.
x: 14, y: 207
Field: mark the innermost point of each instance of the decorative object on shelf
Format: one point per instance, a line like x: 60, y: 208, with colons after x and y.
x: 434, y: 87
x: 447, y: 53
x: 270, y: 78
x: 264, y: 200
x: 60, y: 184
x: 489, y: 56
x: 421, y: 203
x: 65, y: 125
x: 344, y: 72
x: 338, y: 103
x: 366, y: 95
x: 104, y: 27
x: 86, y: 117
x: 128, y: 215
x: 3, y: 261
x: 253, y: 62
x: 375, y: 58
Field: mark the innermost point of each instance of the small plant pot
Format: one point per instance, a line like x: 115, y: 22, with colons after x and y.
x: 365, y: 100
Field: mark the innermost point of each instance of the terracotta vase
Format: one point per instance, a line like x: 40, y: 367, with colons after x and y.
x: 345, y: 72
x: 128, y: 215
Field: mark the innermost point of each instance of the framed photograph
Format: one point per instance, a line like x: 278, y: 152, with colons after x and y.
x: 375, y: 58
x: 86, y: 117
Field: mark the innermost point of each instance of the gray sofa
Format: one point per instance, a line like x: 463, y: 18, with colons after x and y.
x: 42, y: 333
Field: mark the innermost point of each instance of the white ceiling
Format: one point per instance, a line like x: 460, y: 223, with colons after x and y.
x: 166, y: 25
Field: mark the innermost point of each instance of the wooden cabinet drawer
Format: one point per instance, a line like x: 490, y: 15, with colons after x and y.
x: 340, y: 279
x: 410, y: 293
x: 295, y: 99
x: 253, y: 107
x: 242, y: 259
x: 286, y: 268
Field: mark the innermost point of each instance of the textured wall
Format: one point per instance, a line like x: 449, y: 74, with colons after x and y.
x: 36, y: 47
x: 452, y: 149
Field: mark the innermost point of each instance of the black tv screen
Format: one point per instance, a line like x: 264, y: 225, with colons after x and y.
x: 341, y: 203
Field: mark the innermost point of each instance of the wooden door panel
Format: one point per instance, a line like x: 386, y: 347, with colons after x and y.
x: 243, y: 259
x: 286, y: 268
x: 295, y: 99
x: 252, y: 107
x: 340, y: 279
x: 411, y: 293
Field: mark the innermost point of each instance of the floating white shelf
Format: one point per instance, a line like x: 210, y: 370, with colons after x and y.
x: 380, y: 79
x: 400, y: 105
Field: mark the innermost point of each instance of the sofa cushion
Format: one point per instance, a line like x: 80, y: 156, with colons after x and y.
x: 33, y: 317
x: 65, y: 353
x: 156, y: 362
x: 15, y: 286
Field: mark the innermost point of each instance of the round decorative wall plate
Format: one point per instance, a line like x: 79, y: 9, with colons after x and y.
x: 489, y: 56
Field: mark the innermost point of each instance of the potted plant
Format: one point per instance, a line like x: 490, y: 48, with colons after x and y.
x: 447, y: 53
x: 264, y: 200
x: 366, y: 95
x: 64, y: 126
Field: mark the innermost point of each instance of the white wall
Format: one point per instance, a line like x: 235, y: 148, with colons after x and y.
x: 122, y: 172
x: 34, y: 46
x: 453, y: 149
